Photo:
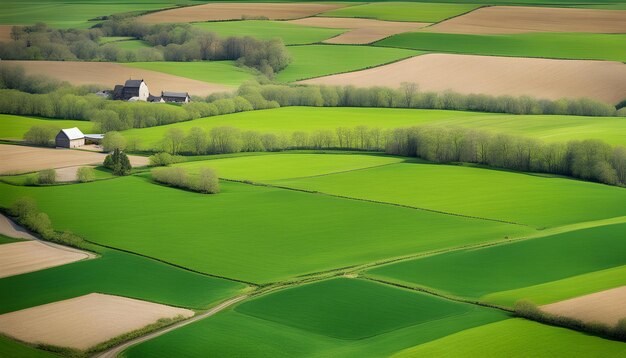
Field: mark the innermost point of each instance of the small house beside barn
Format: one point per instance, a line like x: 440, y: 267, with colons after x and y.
x: 135, y: 90
x: 70, y: 138
x: 175, y: 97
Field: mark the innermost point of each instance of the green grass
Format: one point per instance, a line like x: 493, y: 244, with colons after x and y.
x: 475, y: 273
x: 403, y: 11
x: 350, y: 309
x: 31, y: 178
x: 11, y: 348
x: 550, y: 45
x: 68, y: 13
x: 8, y: 240
x: 107, y: 39
x: 516, y: 197
x: 250, y: 233
x: 320, y: 60
x: 232, y: 333
x: 563, y: 289
x: 115, y: 273
x: 291, y: 34
x: 289, y: 119
x: 14, y: 127
x: 517, y: 338
x: 278, y: 166
x: 131, y: 45
x: 222, y: 72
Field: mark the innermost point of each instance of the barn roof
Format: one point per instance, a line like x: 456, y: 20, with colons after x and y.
x: 73, y: 133
x: 133, y: 83
x: 174, y: 94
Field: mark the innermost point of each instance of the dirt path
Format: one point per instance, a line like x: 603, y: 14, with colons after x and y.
x: 113, y: 352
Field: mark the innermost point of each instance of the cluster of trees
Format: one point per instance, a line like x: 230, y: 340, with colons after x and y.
x: 85, y: 174
x: 163, y: 159
x: 47, y: 176
x: 118, y: 162
x: 25, y: 211
x: 529, y: 310
x: 591, y: 159
x: 206, y: 181
x: 172, y: 42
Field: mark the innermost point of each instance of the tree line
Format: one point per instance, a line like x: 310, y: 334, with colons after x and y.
x: 171, y: 42
x: 592, y: 160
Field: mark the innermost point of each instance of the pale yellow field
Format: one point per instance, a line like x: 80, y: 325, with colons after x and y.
x: 606, y: 307
x: 28, y: 256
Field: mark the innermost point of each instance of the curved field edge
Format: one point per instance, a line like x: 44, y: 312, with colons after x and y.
x: 517, y: 338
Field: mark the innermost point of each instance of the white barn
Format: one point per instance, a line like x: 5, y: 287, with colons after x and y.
x: 70, y: 138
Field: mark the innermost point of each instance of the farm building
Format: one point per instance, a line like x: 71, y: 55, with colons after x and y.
x: 136, y: 90
x: 70, y: 138
x: 155, y: 99
x: 175, y: 97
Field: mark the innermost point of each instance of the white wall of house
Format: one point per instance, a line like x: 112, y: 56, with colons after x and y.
x: 77, y: 143
x: 143, y: 92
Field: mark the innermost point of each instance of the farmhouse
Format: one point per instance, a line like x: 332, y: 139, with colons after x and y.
x: 175, y: 97
x: 136, y: 90
x: 70, y: 138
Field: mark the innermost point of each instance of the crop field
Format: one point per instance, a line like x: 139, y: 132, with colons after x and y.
x: 233, y: 249
x: 290, y: 33
x: 131, y: 44
x: 320, y: 60
x: 290, y: 119
x: 221, y: 72
x: 546, y: 45
x: 14, y: 127
x: 68, y: 13
x: 517, y: 338
x: 311, y: 323
x: 15, y: 349
x: 546, y: 201
x: 475, y: 273
x: 403, y: 11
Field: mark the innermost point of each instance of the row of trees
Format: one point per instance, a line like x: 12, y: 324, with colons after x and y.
x: 592, y: 160
x: 206, y: 181
x: 172, y: 42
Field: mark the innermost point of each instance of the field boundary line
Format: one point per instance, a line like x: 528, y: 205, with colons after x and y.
x: 249, y: 182
x: 113, y: 352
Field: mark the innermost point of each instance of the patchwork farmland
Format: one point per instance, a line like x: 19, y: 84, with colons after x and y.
x: 313, y: 179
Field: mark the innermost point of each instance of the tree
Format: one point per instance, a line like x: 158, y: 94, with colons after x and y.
x: 207, y: 182
x: 85, y: 174
x: 408, y: 90
x: 113, y: 140
x: 48, y: 176
x: 197, y: 140
x: 173, y: 140
x: 41, y: 135
x: 118, y: 162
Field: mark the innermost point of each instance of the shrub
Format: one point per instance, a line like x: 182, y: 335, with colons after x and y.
x: 85, y: 174
x: 113, y: 140
x: 118, y: 162
x: 48, y: 176
x: 207, y: 182
x: 163, y: 159
x: 41, y: 135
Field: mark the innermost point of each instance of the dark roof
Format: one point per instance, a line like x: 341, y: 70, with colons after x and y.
x: 133, y: 83
x: 152, y: 98
x: 174, y: 94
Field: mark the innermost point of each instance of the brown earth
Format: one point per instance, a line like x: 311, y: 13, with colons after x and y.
x: 363, y: 31
x: 234, y: 11
x: 540, y: 78
x: 16, y: 159
x: 11, y: 229
x: 606, y: 307
x: 518, y: 19
x: 109, y: 74
x: 68, y: 174
x: 84, y: 321
x: 28, y: 256
x: 5, y: 33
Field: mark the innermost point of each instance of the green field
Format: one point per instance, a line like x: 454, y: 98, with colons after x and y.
x: 403, y: 11
x: 545, y: 45
x: 131, y: 45
x: 350, y: 309
x: 289, y: 119
x: 517, y: 338
x: 475, y: 273
x: 281, y: 166
x: 11, y: 348
x: 107, y: 39
x: 560, y: 290
x: 115, y: 273
x: 320, y: 60
x: 515, y: 197
x: 7, y: 240
x: 14, y: 127
x: 222, y: 72
x: 300, y: 322
x: 250, y: 233
x: 70, y: 13
x: 291, y: 34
